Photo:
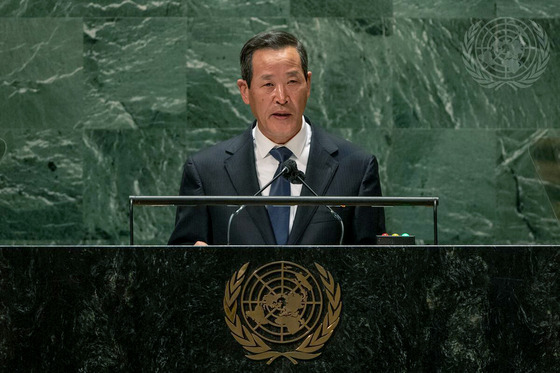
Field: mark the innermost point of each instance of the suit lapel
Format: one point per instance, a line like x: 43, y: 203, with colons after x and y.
x: 240, y: 167
x: 321, y: 168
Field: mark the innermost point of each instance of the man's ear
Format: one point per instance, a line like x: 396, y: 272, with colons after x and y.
x: 244, y: 90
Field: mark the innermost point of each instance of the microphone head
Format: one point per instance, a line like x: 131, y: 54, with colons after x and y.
x: 291, y: 172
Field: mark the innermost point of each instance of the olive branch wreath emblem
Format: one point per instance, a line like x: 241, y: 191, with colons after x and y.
x: 485, y: 79
x: 257, y: 348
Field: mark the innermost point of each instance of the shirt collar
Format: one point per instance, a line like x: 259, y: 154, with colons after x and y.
x: 263, y: 144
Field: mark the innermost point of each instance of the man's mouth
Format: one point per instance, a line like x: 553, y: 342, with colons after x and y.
x: 281, y: 115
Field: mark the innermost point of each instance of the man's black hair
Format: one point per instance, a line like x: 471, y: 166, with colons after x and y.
x: 273, y: 40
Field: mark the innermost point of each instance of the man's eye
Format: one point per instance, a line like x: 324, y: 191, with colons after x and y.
x: 292, y: 81
x: 268, y: 85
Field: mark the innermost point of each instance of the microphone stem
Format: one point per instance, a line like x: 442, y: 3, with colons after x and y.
x: 271, y: 181
x: 284, y: 170
x: 230, y: 220
x: 333, y: 213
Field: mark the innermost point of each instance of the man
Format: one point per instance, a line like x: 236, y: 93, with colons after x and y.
x: 276, y: 84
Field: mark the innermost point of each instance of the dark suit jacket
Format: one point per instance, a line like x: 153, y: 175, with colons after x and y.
x: 335, y: 167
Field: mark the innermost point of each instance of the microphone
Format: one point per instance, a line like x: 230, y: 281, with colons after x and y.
x: 293, y: 175
x: 296, y: 176
x: 285, y: 169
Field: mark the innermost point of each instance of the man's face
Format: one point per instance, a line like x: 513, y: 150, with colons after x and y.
x: 278, y: 92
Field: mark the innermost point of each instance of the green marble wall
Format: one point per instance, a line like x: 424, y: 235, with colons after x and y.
x: 100, y: 100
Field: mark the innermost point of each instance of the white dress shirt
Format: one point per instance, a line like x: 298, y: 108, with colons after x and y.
x: 266, y: 164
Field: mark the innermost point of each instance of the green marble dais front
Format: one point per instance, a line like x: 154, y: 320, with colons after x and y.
x: 162, y: 308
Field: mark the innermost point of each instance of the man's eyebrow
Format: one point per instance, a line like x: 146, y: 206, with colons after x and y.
x: 289, y: 73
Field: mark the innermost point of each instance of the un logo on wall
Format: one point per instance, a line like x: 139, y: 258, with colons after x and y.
x: 506, y: 51
x: 284, y: 312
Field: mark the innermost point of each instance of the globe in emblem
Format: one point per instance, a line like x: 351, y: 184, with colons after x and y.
x: 281, y: 302
x: 506, y: 47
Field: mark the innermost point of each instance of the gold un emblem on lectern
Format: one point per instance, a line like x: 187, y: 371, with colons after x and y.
x: 281, y: 310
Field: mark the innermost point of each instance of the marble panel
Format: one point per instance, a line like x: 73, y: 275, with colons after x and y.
x: 526, y: 200
x: 339, y: 99
x: 41, y: 73
x: 93, y: 8
x: 238, y: 8
x: 444, y: 9
x: 456, y: 166
x: 135, y: 70
x: 3, y: 148
x: 500, y: 187
x: 351, y: 72
x: 41, y: 187
x: 213, y: 70
x: 545, y: 154
x: 119, y: 164
x: 528, y: 8
x: 348, y: 9
x: 433, y: 89
x: 550, y: 28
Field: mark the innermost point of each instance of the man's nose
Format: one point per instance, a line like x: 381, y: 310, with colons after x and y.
x: 281, y: 95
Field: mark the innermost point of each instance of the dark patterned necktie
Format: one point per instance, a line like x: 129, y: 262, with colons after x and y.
x: 280, y: 215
